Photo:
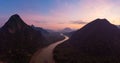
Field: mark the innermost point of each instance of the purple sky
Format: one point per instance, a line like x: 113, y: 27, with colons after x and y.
x: 58, y: 14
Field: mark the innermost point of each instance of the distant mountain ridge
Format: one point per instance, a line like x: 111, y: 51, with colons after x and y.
x: 67, y: 30
x: 43, y: 31
x: 96, y: 42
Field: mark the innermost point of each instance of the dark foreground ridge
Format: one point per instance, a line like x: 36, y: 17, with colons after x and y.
x: 18, y: 41
x: 96, y: 42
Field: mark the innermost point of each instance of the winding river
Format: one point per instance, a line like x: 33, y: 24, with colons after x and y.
x: 46, y: 54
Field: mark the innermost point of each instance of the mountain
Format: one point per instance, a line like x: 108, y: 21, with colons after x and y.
x: 18, y: 41
x: 68, y: 31
x: 15, y: 23
x: 43, y: 31
x: 96, y: 42
x: 99, y: 29
x: 65, y: 30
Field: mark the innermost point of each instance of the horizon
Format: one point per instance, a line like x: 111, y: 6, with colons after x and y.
x: 59, y: 14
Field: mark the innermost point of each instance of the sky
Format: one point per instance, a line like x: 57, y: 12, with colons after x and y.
x: 59, y: 14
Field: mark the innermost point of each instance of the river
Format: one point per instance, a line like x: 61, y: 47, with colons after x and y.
x: 45, y: 55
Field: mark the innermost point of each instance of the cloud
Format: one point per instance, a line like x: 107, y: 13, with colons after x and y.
x: 79, y: 22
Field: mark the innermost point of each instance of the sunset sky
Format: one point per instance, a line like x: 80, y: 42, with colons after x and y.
x: 58, y: 14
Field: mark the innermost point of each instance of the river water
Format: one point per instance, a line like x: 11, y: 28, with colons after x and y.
x: 46, y: 54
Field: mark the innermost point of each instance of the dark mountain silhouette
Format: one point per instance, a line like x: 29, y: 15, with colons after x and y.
x: 67, y: 30
x: 100, y: 29
x: 18, y: 40
x: 15, y: 23
x: 96, y: 42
